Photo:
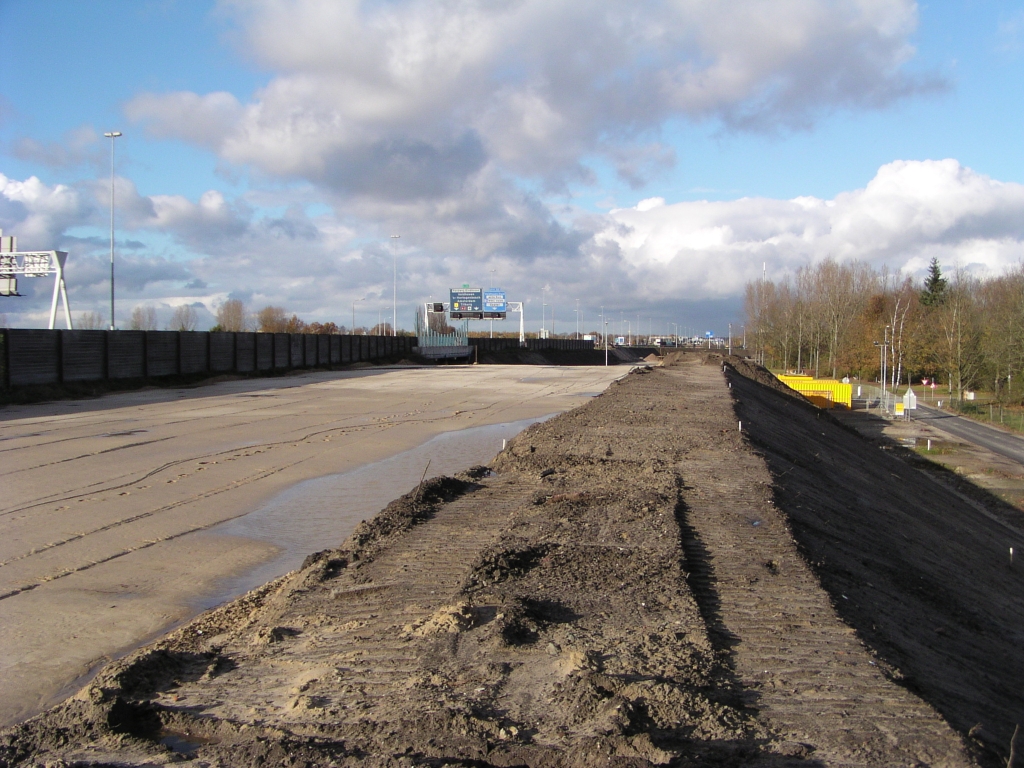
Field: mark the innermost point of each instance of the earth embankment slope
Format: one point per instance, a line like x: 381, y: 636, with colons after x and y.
x: 922, y: 571
x: 623, y: 591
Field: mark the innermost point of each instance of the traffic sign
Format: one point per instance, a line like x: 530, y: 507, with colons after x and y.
x: 495, y: 305
x: 466, y: 303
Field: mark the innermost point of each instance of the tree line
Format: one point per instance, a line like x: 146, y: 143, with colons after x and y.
x: 232, y: 315
x: 837, y: 320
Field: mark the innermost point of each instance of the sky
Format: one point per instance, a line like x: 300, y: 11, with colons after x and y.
x: 644, y: 159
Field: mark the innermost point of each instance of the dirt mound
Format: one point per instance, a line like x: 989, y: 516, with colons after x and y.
x: 624, y: 590
x: 921, y: 570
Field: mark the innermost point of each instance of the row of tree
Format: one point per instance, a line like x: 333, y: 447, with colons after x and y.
x: 837, y: 320
x: 232, y: 315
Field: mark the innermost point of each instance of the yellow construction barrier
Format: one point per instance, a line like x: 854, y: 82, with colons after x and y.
x: 825, y: 393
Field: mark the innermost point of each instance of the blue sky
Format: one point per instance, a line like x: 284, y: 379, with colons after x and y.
x: 491, y: 149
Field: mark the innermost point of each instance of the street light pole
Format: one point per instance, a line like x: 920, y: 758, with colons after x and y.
x: 112, y: 135
x: 543, y: 311
x: 604, y: 322
x: 604, y: 335
x: 394, y: 287
x: 354, y: 316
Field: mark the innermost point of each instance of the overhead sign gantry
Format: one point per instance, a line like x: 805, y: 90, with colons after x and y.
x: 14, y: 264
x: 467, y: 303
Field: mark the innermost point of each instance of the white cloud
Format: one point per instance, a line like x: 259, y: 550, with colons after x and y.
x: 907, y: 214
x: 203, y: 120
x: 414, y: 98
x: 656, y: 255
x: 41, y: 213
x: 79, y: 146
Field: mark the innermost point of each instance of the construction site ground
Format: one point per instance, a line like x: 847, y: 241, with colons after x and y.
x: 695, y: 568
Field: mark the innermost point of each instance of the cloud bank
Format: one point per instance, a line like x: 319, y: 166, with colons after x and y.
x: 910, y: 212
x: 453, y: 122
x: 652, y: 257
x: 414, y: 99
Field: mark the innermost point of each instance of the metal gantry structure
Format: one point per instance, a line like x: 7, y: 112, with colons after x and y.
x: 15, y: 264
x: 513, y: 306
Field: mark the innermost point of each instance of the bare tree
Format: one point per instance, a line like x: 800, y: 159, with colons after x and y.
x: 231, y: 316
x: 903, y: 307
x: 843, y: 289
x: 295, y: 325
x: 324, y: 328
x: 960, y: 352
x: 183, y: 319
x: 1001, y: 305
x: 271, y: 320
x: 758, y: 321
x: 143, y: 318
x: 91, y: 321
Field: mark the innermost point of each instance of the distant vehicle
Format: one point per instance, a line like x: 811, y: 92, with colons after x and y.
x: 620, y: 341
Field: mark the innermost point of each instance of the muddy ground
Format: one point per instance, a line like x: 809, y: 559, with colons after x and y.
x: 636, y: 582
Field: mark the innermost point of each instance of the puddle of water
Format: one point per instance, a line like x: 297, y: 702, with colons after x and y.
x: 184, y: 743
x: 320, y: 513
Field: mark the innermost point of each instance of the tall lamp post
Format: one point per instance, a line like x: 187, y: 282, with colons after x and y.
x: 112, y: 135
x: 394, y: 287
x: 354, y: 316
x: 543, y: 312
x: 604, y: 335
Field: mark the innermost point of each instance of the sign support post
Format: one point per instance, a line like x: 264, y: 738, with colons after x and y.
x: 35, y: 264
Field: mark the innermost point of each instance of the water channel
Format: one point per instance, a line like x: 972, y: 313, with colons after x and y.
x: 320, y: 513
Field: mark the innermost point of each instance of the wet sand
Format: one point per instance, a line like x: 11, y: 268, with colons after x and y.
x: 103, y: 499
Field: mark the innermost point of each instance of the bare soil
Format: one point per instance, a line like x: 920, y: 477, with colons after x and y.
x: 636, y: 582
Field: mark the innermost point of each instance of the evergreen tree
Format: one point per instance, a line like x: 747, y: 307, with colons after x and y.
x: 934, y: 285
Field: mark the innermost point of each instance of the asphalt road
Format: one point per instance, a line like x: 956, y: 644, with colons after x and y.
x: 996, y: 440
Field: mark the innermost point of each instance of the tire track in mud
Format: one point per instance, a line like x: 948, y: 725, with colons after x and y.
x: 143, y: 544
x: 351, y: 657
x: 805, y: 670
x: 248, y: 448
